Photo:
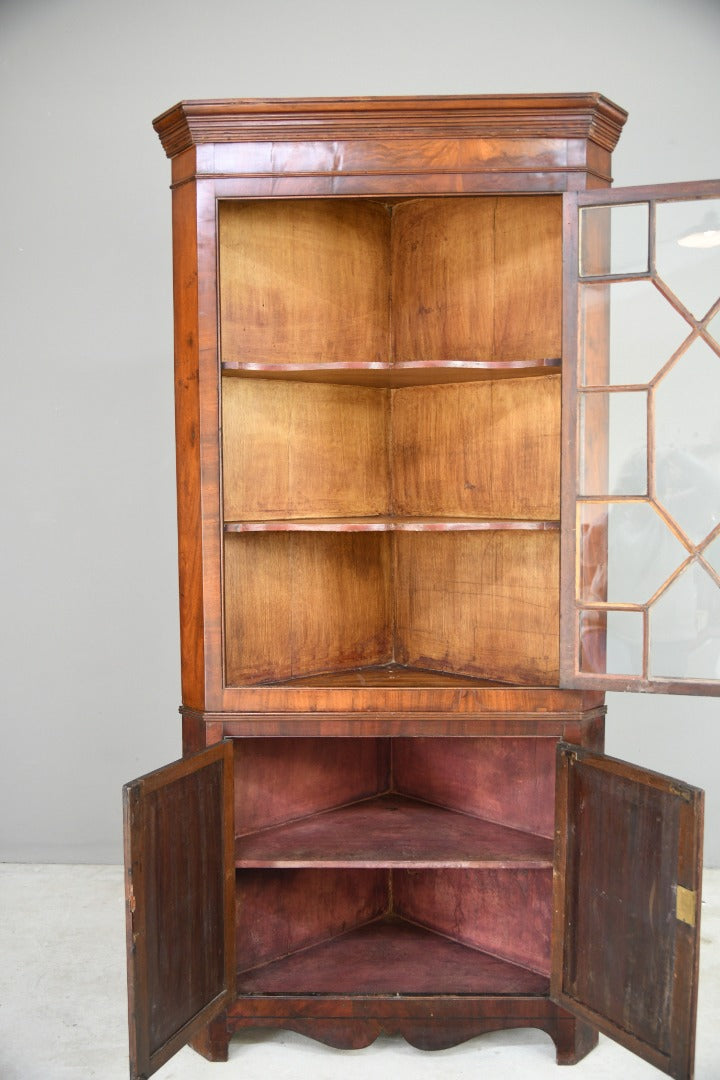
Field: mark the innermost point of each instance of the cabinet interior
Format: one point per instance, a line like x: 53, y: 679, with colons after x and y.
x: 390, y: 438
x: 405, y: 865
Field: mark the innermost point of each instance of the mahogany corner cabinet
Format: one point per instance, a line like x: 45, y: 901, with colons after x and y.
x: 436, y: 494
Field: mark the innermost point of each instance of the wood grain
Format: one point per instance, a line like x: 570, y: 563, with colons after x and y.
x: 296, y: 603
x: 304, y: 281
x: 188, y: 458
x: 391, y: 956
x: 487, y: 449
x: 528, y: 277
x: 506, y: 780
x: 211, y: 1042
x: 426, y: 1021
x: 477, y: 279
x: 389, y: 524
x: 280, y: 912
x: 623, y: 959
x: 296, y: 450
x: 506, y: 912
x: 179, y: 892
x: 278, y: 780
x: 490, y: 618
x: 341, y: 602
x: 473, y: 708
x: 480, y: 603
x: 392, y: 121
x: 442, y: 269
x: 405, y: 373
x: 393, y: 831
x: 389, y: 676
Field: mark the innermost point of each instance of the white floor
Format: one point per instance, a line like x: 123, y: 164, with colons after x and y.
x: 63, y: 1004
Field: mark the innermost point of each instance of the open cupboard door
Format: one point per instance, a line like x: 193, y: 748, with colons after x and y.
x: 626, y: 927
x: 180, y: 896
x: 641, y: 481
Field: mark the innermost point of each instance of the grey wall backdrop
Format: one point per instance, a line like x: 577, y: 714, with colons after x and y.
x: 89, y: 651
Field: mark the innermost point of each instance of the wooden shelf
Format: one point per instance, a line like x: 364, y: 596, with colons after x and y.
x: 406, y: 373
x: 389, y: 524
x: 393, y: 831
x: 389, y: 675
x: 391, y: 956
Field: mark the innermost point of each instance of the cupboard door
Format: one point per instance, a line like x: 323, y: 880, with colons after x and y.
x: 641, y: 481
x: 626, y: 929
x: 180, y: 879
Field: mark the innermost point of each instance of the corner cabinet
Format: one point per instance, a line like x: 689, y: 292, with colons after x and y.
x: 411, y: 560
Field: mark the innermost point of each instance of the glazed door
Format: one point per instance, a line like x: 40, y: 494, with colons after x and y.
x: 641, y: 476
x: 626, y: 929
x: 180, y: 896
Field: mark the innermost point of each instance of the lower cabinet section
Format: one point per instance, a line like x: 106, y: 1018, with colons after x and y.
x: 396, y: 885
x: 396, y: 866
x: 432, y: 887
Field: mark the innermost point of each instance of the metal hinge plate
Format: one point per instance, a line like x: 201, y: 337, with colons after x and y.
x: 686, y: 905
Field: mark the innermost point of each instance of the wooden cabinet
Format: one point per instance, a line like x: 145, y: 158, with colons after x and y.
x: 392, y: 814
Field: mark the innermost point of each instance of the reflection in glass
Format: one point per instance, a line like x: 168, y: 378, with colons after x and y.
x: 630, y: 331
x: 614, y: 239
x: 626, y: 552
x: 693, y: 273
x: 684, y: 628
x: 687, y: 441
x: 592, y: 639
x: 613, y: 443
x: 592, y: 552
x: 623, y: 631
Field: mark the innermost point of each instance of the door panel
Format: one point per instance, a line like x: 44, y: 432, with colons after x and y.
x: 627, y: 904
x: 179, y: 867
x: 641, y: 481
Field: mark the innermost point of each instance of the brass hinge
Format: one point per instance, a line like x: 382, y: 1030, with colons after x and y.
x: 686, y: 905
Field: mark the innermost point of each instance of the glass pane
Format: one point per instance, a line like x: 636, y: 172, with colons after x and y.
x: 614, y: 239
x: 613, y: 443
x: 688, y: 251
x: 687, y: 441
x: 629, y: 332
x: 623, y: 631
x: 684, y: 628
x: 624, y: 643
x: 627, y: 552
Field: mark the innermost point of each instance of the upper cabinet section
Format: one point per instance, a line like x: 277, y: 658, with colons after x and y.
x: 376, y: 284
x: 642, y: 563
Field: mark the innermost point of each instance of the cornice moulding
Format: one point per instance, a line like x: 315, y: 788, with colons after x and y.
x: 515, y: 116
